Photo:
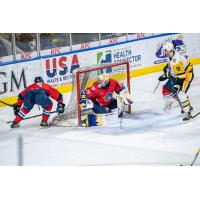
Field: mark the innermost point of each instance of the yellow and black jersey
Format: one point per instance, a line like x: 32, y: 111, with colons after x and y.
x: 179, y: 66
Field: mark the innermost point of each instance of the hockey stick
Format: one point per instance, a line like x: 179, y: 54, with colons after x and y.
x: 122, y: 105
x: 195, y: 115
x: 11, y: 105
x: 123, y: 108
x: 32, y: 117
x: 156, y: 87
x: 195, y: 157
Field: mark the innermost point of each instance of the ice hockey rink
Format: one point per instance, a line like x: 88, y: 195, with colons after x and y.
x: 148, y: 136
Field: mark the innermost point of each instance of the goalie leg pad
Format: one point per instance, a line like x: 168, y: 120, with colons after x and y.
x: 91, y: 120
x: 102, y: 119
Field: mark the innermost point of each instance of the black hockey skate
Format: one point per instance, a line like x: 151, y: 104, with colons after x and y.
x: 14, y: 125
x: 188, y: 116
x: 44, y: 124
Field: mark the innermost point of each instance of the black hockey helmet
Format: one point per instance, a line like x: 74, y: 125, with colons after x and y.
x: 38, y: 79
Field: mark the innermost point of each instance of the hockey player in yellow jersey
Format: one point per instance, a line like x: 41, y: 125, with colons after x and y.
x: 179, y: 73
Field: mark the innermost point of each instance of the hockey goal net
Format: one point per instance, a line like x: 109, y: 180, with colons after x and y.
x: 84, y: 78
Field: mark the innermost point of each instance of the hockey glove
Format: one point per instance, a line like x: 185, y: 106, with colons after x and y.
x: 176, y: 89
x: 60, y: 108
x: 162, y: 77
x: 16, y: 109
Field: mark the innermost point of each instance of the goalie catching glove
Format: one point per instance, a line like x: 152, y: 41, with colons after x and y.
x: 125, y: 96
x: 84, y: 102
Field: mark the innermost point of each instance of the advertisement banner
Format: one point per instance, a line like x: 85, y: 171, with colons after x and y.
x: 58, y: 70
x: 119, y: 55
x: 14, y: 78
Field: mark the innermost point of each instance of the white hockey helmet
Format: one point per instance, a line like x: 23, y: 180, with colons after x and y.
x: 103, y: 80
x: 168, y: 46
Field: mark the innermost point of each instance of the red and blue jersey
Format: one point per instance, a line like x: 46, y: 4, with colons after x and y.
x: 49, y: 90
x: 103, y: 95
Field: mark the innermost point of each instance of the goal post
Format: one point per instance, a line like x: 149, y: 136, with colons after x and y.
x: 84, y: 78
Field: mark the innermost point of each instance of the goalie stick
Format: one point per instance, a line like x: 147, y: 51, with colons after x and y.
x: 121, y: 106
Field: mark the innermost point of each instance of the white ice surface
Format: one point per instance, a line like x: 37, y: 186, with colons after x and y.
x: 149, y: 136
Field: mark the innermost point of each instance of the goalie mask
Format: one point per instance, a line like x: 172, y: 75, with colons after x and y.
x: 103, y: 80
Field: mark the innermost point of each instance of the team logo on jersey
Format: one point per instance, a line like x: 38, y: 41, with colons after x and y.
x: 108, y: 96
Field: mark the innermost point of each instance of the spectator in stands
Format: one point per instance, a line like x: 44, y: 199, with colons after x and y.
x: 46, y: 41
x: 25, y: 41
x: 5, y: 44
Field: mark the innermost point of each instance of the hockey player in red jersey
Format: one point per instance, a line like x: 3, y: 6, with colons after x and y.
x: 37, y: 93
x: 101, y: 94
x: 99, y: 97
